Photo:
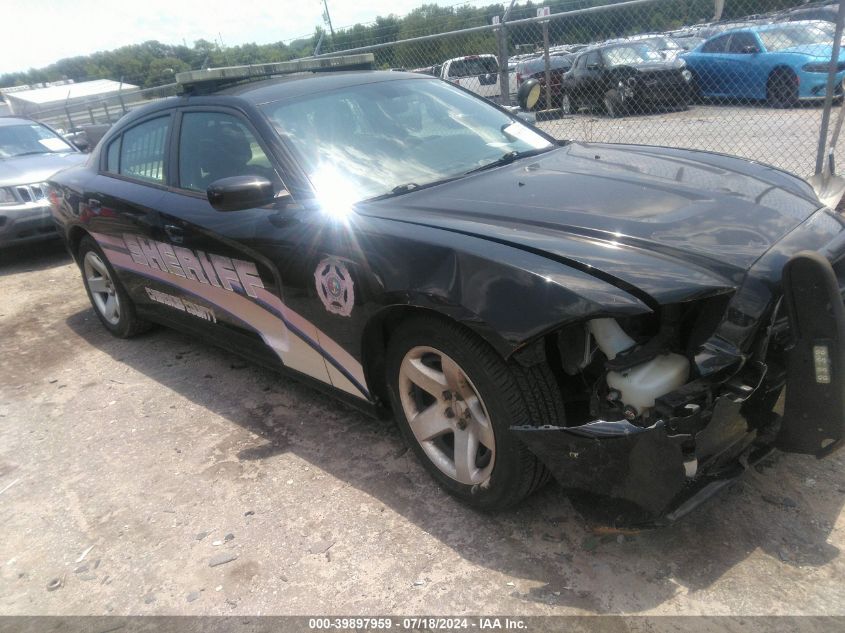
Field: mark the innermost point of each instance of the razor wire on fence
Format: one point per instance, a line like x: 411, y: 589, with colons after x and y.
x: 652, y: 72
x: 77, y: 114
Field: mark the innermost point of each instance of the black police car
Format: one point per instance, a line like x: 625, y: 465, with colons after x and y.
x: 625, y: 77
x: 622, y: 317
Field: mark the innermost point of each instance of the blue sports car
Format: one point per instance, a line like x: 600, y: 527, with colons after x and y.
x: 781, y: 63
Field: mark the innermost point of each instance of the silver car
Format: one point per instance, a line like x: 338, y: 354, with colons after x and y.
x: 30, y: 153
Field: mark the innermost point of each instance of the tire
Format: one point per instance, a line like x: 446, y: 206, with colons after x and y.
x: 612, y: 104
x: 496, y: 476
x: 108, y: 297
x: 782, y: 89
x: 568, y: 104
x: 695, y: 95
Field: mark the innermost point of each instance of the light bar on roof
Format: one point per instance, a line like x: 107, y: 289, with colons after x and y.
x: 360, y: 61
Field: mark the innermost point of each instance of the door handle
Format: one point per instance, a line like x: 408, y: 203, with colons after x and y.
x: 175, y: 233
x: 94, y: 205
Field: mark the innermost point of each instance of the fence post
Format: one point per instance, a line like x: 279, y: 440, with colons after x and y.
x: 504, y: 89
x: 504, y: 83
x: 67, y: 113
x: 831, y: 83
x: 548, y: 65
x: 120, y: 96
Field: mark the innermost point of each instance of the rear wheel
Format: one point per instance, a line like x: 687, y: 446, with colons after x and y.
x: 110, y: 300
x: 454, y: 399
x: 782, y: 89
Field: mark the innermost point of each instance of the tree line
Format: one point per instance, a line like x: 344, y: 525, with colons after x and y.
x: 154, y: 63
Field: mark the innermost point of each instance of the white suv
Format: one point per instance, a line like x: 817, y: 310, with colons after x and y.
x: 478, y: 73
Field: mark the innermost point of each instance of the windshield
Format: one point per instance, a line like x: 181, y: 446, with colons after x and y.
x: 30, y: 138
x: 631, y: 54
x: 663, y: 43
x: 787, y: 37
x: 366, y: 140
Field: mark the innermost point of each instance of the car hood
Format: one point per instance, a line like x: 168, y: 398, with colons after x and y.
x: 36, y: 168
x: 675, y: 63
x: 670, y: 223
x: 820, y: 51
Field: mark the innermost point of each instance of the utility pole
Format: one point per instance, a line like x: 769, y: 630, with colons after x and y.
x: 327, y: 17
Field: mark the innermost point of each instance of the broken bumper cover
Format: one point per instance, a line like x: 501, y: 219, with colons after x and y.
x: 646, y: 476
x: 657, y: 474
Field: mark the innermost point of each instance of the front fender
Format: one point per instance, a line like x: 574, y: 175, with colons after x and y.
x: 506, y: 295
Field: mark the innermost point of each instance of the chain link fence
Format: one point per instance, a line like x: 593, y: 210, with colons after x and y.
x: 657, y: 72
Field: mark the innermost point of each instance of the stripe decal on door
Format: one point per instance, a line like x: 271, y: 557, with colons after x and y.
x: 235, y: 287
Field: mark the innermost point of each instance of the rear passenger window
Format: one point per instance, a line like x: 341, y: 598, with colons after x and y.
x: 142, y: 150
x: 113, y: 156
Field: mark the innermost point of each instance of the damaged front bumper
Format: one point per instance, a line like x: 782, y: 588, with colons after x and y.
x: 712, y: 429
x: 647, y: 475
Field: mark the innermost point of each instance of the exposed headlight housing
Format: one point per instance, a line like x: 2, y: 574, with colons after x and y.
x: 7, y: 196
x: 687, y: 75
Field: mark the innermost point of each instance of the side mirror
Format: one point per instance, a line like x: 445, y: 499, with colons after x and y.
x: 750, y: 50
x: 528, y: 94
x: 240, y: 192
x: 593, y: 66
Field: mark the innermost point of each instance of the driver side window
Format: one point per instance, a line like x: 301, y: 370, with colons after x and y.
x: 716, y: 45
x: 215, y: 145
x: 741, y: 42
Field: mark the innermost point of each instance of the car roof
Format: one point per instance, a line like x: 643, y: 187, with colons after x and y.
x: 292, y: 86
x: 261, y: 92
x: 773, y: 26
x: 6, y: 121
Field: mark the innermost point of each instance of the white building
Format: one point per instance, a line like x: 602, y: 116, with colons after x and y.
x: 41, y: 100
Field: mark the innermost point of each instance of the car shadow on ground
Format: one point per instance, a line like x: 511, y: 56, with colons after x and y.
x: 27, y: 258
x: 786, y: 507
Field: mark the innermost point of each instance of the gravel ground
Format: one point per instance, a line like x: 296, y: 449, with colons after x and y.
x: 784, y: 138
x: 129, y: 469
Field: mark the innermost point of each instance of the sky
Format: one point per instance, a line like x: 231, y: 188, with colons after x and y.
x: 64, y: 28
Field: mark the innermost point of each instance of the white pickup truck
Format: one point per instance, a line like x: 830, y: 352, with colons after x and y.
x: 478, y: 73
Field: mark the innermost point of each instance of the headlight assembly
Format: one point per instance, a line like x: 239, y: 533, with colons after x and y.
x: 816, y: 68
x: 6, y: 196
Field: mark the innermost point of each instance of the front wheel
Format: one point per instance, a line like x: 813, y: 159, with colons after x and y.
x: 782, y: 89
x: 613, y: 104
x: 568, y: 104
x: 454, y: 399
x: 108, y: 297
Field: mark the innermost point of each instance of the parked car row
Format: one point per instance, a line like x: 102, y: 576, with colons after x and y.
x: 780, y: 63
x: 781, y: 59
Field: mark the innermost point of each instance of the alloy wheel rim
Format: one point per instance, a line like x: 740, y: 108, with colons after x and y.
x: 447, y: 416
x: 102, y: 288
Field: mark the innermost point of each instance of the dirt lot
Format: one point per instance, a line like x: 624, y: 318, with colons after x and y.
x: 126, y: 467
